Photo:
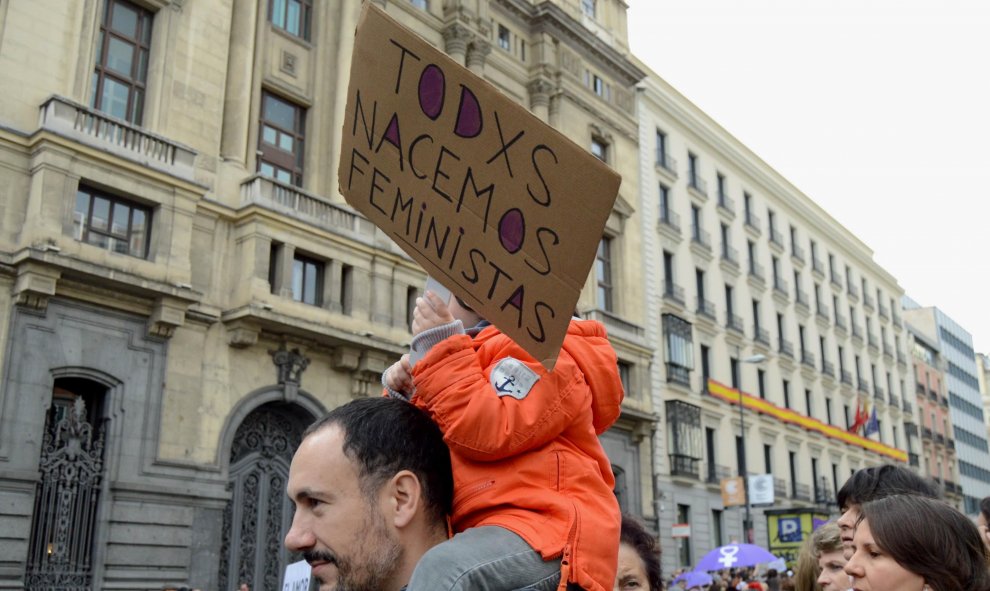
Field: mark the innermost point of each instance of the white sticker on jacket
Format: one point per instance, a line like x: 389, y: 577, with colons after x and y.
x: 512, y: 377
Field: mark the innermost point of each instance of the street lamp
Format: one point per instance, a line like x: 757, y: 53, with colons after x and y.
x: 747, y: 520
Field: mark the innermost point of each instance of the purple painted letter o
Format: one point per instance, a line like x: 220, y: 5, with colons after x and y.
x: 512, y: 230
x: 431, y: 91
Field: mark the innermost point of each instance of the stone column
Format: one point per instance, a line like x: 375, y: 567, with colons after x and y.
x: 283, y: 271
x: 332, y: 287
x: 540, y: 91
x: 455, y: 41
x: 477, y: 54
x: 381, y: 282
x: 240, y: 81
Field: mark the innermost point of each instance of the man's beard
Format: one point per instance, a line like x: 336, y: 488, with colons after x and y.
x: 377, y: 550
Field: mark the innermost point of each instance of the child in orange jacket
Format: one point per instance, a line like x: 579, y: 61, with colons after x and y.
x: 534, y: 505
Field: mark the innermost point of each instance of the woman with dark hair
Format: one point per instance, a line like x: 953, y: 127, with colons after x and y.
x: 983, y: 521
x: 913, y: 543
x: 639, y: 558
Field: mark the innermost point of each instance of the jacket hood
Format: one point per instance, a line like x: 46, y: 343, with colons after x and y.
x: 587, y: 344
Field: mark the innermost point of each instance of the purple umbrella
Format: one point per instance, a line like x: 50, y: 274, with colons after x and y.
x: 734, y: 555
x: 694, y: 579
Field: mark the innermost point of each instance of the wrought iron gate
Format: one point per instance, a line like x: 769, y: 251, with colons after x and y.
x: 258, y: 514
x: 66, y: 503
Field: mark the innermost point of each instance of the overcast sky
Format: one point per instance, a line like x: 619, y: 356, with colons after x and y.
x: 876, y: 109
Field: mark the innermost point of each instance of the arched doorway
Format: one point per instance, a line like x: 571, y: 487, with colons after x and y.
x: 67, y: 497
x: 259, y: 514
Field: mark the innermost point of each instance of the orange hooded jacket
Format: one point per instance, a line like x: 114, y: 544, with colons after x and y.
x: 525, y: 453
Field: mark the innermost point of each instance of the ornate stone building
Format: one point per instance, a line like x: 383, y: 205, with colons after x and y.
x: 183, y: 289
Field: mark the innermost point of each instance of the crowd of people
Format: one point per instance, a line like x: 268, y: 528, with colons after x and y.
x: 479, y: 469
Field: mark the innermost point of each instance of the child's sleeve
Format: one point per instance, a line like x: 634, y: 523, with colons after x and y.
x: 490, y: 415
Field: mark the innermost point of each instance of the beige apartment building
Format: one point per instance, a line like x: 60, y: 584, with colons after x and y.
x: 757, y: 289
x: 183, y: 289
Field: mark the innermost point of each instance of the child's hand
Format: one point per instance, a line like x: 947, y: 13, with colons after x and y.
x: 399, y: 376
x: 431, y: 312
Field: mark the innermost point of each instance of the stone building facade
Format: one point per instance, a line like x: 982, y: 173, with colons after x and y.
x: 183, y: 289
x: 757, y: 289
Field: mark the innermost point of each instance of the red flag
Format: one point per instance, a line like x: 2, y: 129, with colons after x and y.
x: 861, y: 418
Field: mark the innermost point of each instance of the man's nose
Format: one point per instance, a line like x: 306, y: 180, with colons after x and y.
x: 299, y: 537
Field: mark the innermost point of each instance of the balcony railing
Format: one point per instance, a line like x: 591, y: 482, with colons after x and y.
x: 780, y: 286
x: 926, y: 433
x: 706, y: 308
x: 716, y: 473
x: 883, y: 312
x: 779, y: 488
x: 730, y: 255
x: 802, y: 492
x: 862, y: 385
x: 797, y: 252
x: 673, y: 292
x: 105, y: 133
x: 801, y: 298
x: 900, y: 357
x: 698, y: 185
x: 726, y: 204
x: 776, y: 238
x: 684, y: 466
x: 910, y: 429
x: 786, y: 348
x: 867, y: 301
x: 879, y: 393
x: 908, y: 407
x: 702, y: 238
x: 671, y: 220
x: 753, y: 222
x: 840, y: 321
x: 822, y: 312
x: 293, y: 201
x: 888, y: 351
x: 873, y: 343
x: 852, y: 290
x: 818, y: 266
x: 760, y: 335
x: 756, y: 270
x: 836, y: 279
x: 913, y: 460
x: 667, y: 162
x: 678, y: 374
x: 734, y: 322
x: 828, y: 368
x: 808, y: 359
x: 940, y: 439
x: 846, y: 377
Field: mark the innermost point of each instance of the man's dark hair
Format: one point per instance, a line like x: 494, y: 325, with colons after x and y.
x: 930, y: 539
x: 384, y: 436
x: 646, y: 546
x: 877, y: 482
x: 985, y: 509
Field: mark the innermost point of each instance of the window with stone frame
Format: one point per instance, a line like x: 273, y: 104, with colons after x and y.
x: 111, y: 222
x: 121, y: 72
x: 678, y: 350
x: 599, y: 149
x: 589, y: 7
x: 291, y: 16
x: 604, y: 275
x: 281, y: 139
x: 307, y: 279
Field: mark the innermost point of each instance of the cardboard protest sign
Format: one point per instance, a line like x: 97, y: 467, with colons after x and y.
x: 500, y: 207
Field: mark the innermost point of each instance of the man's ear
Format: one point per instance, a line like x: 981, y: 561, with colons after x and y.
x: 405, y: 499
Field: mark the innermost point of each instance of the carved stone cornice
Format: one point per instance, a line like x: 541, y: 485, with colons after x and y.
x: 35, y: 285
x: 547, y: 17
x: 456, y: 38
